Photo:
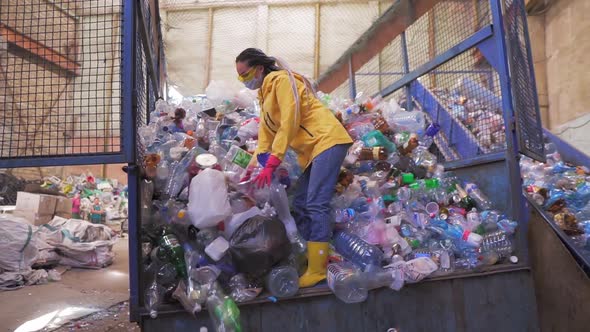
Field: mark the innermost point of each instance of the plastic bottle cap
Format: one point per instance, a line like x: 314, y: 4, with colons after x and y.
x: 473, y: 238
x: 513, y: 259
x: 407, y: 178
x: 389, y: 198
x: 206, y: 160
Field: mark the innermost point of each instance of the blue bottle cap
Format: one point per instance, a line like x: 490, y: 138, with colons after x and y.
x: 432, y: 129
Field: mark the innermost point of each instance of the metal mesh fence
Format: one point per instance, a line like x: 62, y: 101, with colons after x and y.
x: 462, y: 95
x: 60, y: 77
x: 468, y: 106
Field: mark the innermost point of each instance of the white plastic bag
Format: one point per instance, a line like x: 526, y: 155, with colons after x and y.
x: 18, y: 243
x: 80, y: 243
x: 208, y: 201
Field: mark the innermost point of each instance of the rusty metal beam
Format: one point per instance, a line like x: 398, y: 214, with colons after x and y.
x: 391, y: 24
x: 46, y: 53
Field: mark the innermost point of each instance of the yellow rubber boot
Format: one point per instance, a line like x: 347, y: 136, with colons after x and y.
x: 316, y: 264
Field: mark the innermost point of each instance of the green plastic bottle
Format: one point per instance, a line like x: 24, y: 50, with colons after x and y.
x: 466, y: 202
x: 173, y: 252
x: 223, y: 311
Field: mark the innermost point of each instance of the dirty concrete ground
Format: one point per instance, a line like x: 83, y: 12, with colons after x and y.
x: 102, y: 293
x: 113, y: 319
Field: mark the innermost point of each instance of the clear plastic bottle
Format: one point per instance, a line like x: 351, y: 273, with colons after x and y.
x: 190, y: 305
x: 153, y: 298
x: 353, y: 153
x: 357, y: 251
x: 473, y: 219
x: 280, y: 202
x: 456, y: 232
x: 482, y: 201
x: 241, y: 290
x: 351, y: 285
x: 282, y: 281
x: 346, y: 282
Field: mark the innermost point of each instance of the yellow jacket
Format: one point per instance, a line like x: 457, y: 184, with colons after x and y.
x: 310, y: 133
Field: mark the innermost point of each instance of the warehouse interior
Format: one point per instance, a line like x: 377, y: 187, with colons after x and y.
x: 61, y: 81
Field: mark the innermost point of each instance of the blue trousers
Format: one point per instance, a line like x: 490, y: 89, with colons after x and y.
x: 315, y: 188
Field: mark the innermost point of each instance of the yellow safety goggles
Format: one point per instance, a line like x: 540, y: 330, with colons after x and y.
x: 248, y: 76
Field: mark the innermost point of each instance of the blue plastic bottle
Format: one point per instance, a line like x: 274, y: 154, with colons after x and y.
x: 357, y: 251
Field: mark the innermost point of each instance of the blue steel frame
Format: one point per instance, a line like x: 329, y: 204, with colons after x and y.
x: 138, y: 22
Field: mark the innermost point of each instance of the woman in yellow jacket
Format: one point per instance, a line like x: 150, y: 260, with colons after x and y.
x: 291, y: 116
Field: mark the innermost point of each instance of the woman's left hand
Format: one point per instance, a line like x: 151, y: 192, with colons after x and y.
x: 265, y: 177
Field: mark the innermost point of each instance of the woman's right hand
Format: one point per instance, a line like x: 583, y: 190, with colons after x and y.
x: 248, y: 174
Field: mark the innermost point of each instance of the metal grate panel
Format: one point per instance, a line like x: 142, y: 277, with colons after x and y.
x: 142, y: 95
x: 60, y: 80
x: 463, y: 97
x: 524, y: 93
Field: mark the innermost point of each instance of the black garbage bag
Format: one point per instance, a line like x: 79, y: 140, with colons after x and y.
x: 258, y: 244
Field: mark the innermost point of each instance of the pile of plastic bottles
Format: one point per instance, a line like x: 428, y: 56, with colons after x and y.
x: 112, y: 195
x: 563, y: 191
x: 211, y: 240
x: 478, y: 110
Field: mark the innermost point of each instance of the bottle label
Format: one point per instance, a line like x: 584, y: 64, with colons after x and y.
x: 349, y: 214
x: 422, y: 254
x: 376, y: 153
x: 466, y: 235
x: 242, y: 158
x: 334, y: 272
x: 170, y: 241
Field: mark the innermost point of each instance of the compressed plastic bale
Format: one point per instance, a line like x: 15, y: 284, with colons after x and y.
x: 18, y: 244
x: 258, y: 244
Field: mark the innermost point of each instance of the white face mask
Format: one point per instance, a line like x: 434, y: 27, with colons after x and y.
x: 254, y: 83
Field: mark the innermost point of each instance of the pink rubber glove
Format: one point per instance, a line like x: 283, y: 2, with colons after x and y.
x: 265, y: 176
x: 248, y: 174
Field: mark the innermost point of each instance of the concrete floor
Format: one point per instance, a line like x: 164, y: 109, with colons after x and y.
x: 80, y: 292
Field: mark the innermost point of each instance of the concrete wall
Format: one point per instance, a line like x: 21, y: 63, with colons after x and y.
x: 561, y: 44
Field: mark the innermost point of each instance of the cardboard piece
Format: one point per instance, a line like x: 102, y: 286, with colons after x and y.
x: 39, y: 204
